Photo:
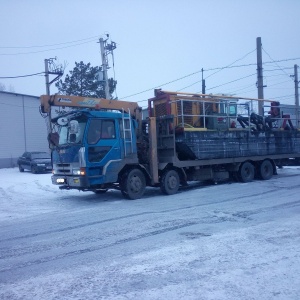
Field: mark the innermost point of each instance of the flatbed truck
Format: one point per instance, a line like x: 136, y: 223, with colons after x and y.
x: 102, y: 144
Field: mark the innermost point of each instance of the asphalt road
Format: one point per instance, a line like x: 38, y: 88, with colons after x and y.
x: 225, y: 241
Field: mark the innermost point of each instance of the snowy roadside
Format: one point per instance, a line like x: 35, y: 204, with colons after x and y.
x: 228, y: 241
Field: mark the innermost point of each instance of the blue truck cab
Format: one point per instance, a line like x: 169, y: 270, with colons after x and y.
x: 92, y: 148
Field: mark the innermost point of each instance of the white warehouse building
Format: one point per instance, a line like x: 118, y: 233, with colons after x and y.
x: 22, y: 128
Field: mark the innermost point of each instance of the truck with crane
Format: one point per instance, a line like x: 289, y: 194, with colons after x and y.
x: 101, y: 144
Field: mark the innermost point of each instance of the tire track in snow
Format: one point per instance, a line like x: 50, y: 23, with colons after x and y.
x: 97, y: 248
x: 4, y: 194
x: 215, y: 218
x: 80, y: 226
x: 73, y: 227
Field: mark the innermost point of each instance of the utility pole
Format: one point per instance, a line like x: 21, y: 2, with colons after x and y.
x: 296, y: 85
x: 203, y: 83
x: 104, y: 67
x: 47, y: 77
x: 51, y: 68
x: 296, y: 93
x: 106, y: 49
x: 260, y: 82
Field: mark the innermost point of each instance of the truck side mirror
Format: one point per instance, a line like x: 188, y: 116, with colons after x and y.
x: 74, y: 126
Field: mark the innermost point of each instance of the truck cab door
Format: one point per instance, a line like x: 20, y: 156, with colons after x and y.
x: 103, y: 144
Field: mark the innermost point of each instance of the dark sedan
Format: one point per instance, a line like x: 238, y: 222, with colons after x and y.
x: 36, y: 162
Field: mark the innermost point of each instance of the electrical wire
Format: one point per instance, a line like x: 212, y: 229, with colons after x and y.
x: 281, y: 68
x: 275, y: 62
x: 49, y: 45
x: 40, y: 51
x: 243, y: 88
x: 277, y: 83
x: 211, y: 69
x: 10, y: 77
x: 150, y: 89
x: 231, y: 81
x: 231, y: 63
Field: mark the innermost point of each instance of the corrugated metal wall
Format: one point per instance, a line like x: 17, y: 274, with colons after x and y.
x: 21, y: 127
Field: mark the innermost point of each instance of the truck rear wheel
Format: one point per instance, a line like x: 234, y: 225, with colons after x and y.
x: 265, y: 170
x: 133, y: 184
x: 169, y: 184
x: 246, y: 172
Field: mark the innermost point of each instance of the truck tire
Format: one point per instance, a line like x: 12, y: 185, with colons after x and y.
x: 246, y: 172
x: 133, y: 184
x: 265, y: 170
x: 169, y: 184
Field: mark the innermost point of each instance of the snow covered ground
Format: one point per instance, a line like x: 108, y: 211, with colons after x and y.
x: 225, y: 241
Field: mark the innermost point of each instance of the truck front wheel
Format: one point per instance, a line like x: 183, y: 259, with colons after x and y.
x: 133, y: 184
x: 169, y: 184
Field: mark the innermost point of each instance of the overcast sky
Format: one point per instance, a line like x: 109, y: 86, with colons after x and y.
x: 158, y: 41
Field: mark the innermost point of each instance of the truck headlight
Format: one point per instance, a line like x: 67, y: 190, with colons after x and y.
x: 76, y: 171
x: 80, y: 171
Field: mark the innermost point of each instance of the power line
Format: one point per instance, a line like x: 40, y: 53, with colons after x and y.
x: 150, y: 89
x: 244, y: 88
x: 279, y: 83
x: 218, y: 70
x: 49, y: 45
x: 251, y: 64
x: 286, y: 96
x: 212, y: 69
x: 275, y: 75
x: 281, y: 68
x: 10, y: 77
x: 275, y: 62
x: 231, y: 81
x: 32, y: 52
x: 230, y: 64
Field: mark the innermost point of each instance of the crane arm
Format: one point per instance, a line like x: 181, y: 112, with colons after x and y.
x: 87, y: 102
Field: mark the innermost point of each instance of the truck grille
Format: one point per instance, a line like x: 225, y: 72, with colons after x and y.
x: 63, y: 169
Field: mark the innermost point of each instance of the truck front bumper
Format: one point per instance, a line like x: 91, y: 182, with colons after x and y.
x: 75, y: 182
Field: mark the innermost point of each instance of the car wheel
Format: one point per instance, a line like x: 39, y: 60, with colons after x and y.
x: 21, y: 169
x: 33, y: 170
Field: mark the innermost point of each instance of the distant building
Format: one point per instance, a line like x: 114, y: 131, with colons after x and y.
x: 22, y: 128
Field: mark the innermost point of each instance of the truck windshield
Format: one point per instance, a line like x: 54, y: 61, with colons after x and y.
x: 69, y: 136
x: 100, y: 129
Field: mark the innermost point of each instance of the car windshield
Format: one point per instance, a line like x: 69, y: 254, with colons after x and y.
x: 40, y: 155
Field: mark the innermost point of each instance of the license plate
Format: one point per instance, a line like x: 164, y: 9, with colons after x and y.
x: 76, y: 180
